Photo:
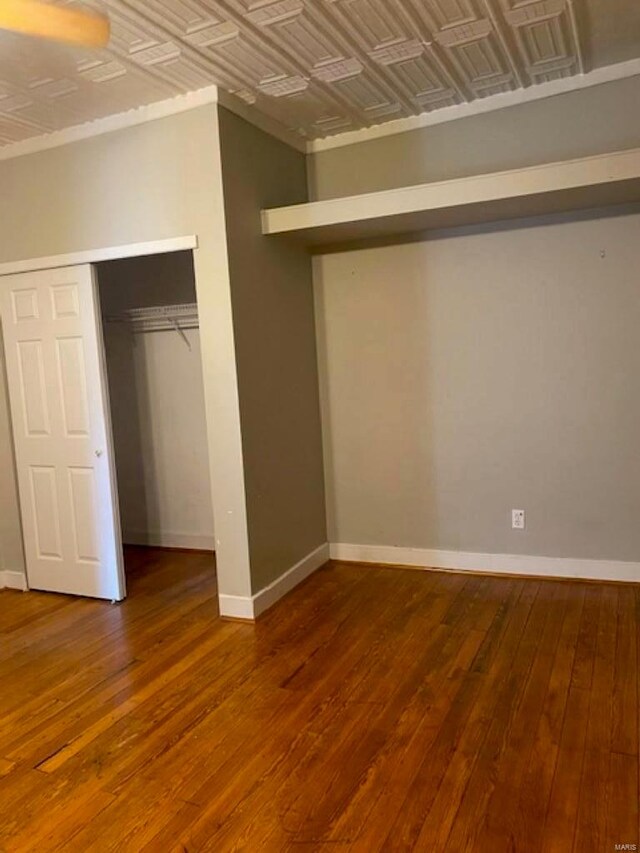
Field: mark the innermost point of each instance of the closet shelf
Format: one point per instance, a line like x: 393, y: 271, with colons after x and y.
x: 159, y: 318
x: 596, y: 181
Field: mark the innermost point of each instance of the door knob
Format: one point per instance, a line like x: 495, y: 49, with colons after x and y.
x: 98, y: 453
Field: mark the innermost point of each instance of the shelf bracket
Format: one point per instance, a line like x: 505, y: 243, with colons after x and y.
x: 180, y: 331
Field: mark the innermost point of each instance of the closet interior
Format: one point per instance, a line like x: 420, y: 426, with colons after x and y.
x: 152, y: 345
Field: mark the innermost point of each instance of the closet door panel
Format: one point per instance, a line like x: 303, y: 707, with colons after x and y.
x: 62, y: 432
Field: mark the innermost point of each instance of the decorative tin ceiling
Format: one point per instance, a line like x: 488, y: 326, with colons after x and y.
x: 319, y: 66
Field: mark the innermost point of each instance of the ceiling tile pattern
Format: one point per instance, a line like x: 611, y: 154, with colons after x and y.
x: 318, y: 66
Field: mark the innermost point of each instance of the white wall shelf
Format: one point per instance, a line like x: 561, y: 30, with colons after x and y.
x: 598, y: 181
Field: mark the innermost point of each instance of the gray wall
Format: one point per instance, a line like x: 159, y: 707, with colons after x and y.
x: 480, y: 371
x: 272, y: 297
x: 597, y: 120
x: 158, y: 180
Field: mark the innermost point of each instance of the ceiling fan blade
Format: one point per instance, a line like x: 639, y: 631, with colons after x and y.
x: 36, y: 18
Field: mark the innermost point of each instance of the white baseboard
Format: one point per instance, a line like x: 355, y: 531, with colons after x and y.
x: 13, y: 580
x: 508, y: 564
x: 250, y: 607
x: 157, y: 539
x: 268, y: 596
x: 236, y: 607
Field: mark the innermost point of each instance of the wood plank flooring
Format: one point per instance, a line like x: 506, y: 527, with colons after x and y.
x: 373, y: 709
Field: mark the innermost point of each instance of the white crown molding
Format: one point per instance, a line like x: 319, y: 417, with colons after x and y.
x: 507, y: 564
x: 608, y: 74
x: 262, y: 121
x: 214, y: 95
x: 250, y: 607
x: 109, y: 124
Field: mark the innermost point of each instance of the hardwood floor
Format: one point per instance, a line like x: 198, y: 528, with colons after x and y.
x: 372, y: 709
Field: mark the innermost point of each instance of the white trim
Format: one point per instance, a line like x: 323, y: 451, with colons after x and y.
x: 250, y: 607
x: 109, y: 124
x: 548, y: 185
x: 13, y: 580
x: 236, y: 607
x: 96, y: 256
x: 262, y: 121
x: 608, y: 74
x: 508, y: 564
x: 268, y: 596
x: 167, y: 539
x: 213, y: 95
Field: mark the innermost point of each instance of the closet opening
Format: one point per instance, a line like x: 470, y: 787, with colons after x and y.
x: 152, y: 347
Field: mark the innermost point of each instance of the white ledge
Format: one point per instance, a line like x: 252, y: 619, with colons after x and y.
x: 604, y: 179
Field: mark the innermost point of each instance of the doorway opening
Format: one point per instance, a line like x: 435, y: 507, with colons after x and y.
x: 156, y: 391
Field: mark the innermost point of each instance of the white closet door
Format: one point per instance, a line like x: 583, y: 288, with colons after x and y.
x: 62, y: 432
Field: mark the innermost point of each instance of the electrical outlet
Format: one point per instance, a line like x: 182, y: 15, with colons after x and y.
x: 517, y: 519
